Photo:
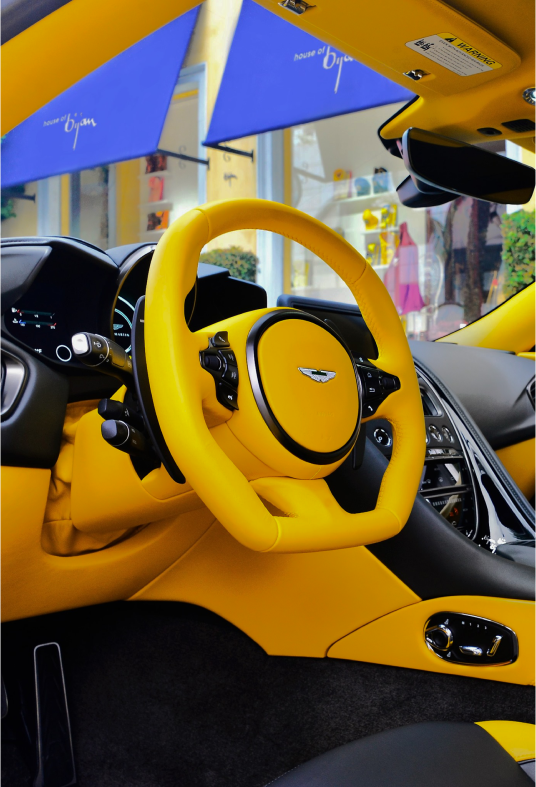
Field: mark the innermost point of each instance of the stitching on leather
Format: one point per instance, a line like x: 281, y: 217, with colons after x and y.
x: 280, y: 777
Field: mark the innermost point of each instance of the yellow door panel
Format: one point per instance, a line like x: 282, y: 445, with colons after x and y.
x: 509, y: 327
x: 398, y: 638
x: 290, y: 604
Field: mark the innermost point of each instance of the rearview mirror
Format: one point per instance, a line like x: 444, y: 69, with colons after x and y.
x: 454, y: 166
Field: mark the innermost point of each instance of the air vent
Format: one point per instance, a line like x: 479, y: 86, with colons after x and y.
x: 531, y: 390
x: 520, y: 126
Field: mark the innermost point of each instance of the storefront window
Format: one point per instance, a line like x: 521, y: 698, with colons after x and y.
x: 444, y: 267
x: 170, y: 186
x: 92, y: 206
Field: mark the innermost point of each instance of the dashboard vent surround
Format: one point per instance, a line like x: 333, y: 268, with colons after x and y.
x: 531, y: 390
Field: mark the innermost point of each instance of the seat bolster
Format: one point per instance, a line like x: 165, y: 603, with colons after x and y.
x: 516, y: 737
x: 442, y: 754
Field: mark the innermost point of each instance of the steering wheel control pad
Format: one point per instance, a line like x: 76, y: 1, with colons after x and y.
x: 220, y: 361
x: 377, y: 385
x: 305, y: 385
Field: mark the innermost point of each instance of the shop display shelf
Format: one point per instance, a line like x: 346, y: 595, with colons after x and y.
x: 158, y: 204
x: 382, y: 196
x: 377, y: 230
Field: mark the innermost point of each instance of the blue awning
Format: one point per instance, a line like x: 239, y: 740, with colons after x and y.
x: 114, y: 114
x: 278, y: 76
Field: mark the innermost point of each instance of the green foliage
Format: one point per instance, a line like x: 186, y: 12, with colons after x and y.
x: 518, y: 250
x: 7, y: 209
x: 241, y: 264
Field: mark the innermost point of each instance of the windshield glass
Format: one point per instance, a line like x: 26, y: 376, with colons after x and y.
x: 444, y: 267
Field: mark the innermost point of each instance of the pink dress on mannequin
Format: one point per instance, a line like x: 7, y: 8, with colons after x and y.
x: 402, y: 277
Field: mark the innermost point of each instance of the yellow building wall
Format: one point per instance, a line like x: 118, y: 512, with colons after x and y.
x: 210, y: 45
x: 127, y: 202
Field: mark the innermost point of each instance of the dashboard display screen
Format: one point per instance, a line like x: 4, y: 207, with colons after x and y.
x: 64, y: 298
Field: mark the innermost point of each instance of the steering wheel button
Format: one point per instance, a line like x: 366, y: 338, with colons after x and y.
x: 389, y: 383
x: 220, y: 339
x: 227, y: 396
x: 231, y: 375
x: 228, y: 356
x: 212, y: 362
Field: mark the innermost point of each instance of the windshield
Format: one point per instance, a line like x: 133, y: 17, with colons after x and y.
x: 444, y: 267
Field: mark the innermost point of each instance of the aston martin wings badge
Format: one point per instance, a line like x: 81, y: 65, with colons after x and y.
x: 318, y: 375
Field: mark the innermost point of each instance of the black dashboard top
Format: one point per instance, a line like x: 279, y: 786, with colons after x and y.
x: 55, y: 287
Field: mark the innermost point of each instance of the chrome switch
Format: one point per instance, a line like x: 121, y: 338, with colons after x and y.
x: 471, y: 650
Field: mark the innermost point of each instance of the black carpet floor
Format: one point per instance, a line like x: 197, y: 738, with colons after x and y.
x: 167, y: 695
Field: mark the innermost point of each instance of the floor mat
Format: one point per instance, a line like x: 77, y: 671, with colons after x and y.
x: 168, y: 695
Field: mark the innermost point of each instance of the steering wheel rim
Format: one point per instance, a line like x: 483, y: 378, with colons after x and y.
x: 308, y: 517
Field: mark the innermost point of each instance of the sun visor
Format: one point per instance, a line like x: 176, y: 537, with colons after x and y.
x: 467, y: 78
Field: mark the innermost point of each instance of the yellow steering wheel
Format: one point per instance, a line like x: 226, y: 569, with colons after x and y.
x: 260, y: 468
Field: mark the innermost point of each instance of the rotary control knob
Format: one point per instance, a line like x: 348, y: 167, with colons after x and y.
x: 439, y: 637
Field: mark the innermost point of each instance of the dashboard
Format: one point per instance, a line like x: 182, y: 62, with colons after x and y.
x: 53, y: 288
x: 80, y: 288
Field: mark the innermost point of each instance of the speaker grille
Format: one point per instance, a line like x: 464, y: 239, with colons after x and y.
x: 519, y: 126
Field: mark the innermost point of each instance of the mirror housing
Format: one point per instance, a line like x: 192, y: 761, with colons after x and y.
x: 412, y: 197
x: 448, y: 165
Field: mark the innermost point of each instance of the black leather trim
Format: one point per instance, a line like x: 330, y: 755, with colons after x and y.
x: 429, y: 555
x: 490, y: 384
x: 390, y: 144
x: 31, y: 436
x: 254, y: 336
x: 18, y: 15
x: 432, y: 754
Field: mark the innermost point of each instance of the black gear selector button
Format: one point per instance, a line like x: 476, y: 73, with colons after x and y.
x: 221, y: 364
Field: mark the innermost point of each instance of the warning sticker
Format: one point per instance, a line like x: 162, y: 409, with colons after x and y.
x: 451, y: 52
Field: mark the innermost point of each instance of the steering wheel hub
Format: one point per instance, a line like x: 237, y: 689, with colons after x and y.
x: 305, y: 385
